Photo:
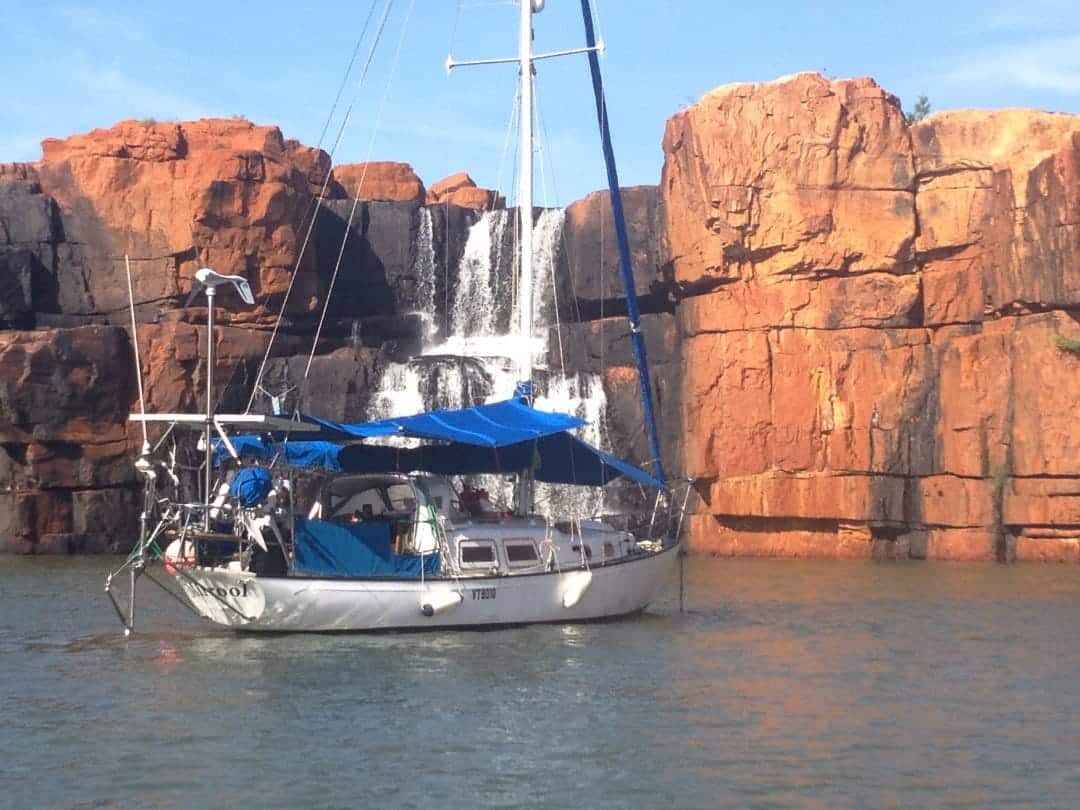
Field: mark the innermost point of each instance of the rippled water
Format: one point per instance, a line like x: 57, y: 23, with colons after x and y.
x: 786, y: 684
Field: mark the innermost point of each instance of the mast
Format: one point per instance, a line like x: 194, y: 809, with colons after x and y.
x: 524, y: 60
x: 525, y: 202
x: 525, y: 206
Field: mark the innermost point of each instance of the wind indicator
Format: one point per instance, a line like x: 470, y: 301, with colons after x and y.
x: 210, y: 280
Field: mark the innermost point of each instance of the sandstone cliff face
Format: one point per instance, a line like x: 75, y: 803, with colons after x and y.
x: 461, y: 190
x: 223, y: 193
x: 174, y: 197
x: 384, y: 180
x: 241, y: 198
x: 869, y: 331
x: 856, y: 320
x: 64, y: 456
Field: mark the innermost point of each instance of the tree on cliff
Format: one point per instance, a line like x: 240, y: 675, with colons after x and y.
x: 918, y: 112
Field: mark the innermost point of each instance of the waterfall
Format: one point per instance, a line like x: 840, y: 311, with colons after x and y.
x: 399, y: 392
x: 479, y: 294
x: 472, y: 365
x: 424, y: 265
x: 547, y: 238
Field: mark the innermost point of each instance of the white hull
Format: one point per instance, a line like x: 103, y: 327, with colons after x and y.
x: 298, y: 604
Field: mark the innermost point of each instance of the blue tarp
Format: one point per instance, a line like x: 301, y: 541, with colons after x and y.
x: 495, y: 425
x: 504, y: 437
x: 325, y: 548
x: 557, y: 459
x: 316, y: 454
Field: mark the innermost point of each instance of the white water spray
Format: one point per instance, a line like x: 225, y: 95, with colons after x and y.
x: 471, y: 365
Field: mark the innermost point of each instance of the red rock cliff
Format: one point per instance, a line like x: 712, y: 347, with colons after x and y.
x: 225, y: 193
x: 219, y: 192
x: 870, y: 329
x: 174, y: 197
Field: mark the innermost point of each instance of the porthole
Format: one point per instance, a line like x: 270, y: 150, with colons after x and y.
x: 477, y: 554
x: 520, y: 553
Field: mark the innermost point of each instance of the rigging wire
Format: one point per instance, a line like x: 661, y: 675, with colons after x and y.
x: 345, y: 78
x: 515, y: 222
x: 317, y: 205
x: 545, y: 162
x: 596, y: 21
x: 453, y: 28
x: 500, y: 223
x: 363, y: 174
x: 511, y: 127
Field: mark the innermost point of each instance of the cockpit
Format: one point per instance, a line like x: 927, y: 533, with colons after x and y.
x: 408, y: 506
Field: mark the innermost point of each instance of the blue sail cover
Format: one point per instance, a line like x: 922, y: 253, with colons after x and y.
x: 324, y: 548
x: 313, y: 454
x: 502, y: 438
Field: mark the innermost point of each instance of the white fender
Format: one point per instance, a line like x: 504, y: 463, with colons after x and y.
x: 577, y: 582
x: 179, y: 554
x: 440, y: 601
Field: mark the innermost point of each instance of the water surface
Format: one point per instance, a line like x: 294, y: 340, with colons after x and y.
x: 785, y: 684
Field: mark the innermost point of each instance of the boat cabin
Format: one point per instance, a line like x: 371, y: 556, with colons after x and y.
x: 422, y: 515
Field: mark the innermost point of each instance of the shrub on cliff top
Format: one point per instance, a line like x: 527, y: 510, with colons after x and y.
x: 918, y: 112
x: 1066, y: 345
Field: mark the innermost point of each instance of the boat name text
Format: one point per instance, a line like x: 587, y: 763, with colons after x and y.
x: 221, y: 592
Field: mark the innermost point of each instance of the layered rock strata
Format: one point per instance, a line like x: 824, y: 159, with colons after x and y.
x: 243, y: 199
x: 872, y: 324
x: 865, y: 329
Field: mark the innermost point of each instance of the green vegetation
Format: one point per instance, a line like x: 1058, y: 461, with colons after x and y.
x: 147, y: 122
x: 1066, y: 345
x: 918, y: 112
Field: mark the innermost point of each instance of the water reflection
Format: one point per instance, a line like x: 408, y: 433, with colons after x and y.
x: 784, y: 684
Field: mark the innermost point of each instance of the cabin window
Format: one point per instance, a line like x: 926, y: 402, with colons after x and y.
x: 400, y: 498
x: 477, y: 553
x: 521, y: 552
x: 609, y: 550
x: 588, y: 551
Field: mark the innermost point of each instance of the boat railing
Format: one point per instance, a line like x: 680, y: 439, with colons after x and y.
x: 669, y: 511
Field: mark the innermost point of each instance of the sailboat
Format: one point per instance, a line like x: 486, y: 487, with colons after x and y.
x: 306, y: 524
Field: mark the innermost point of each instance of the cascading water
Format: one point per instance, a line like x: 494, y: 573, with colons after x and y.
x: 469, y: 364
x: 424, y: 270
x: 480, y: 297
x: 583, y: 396
x: 399, y: 392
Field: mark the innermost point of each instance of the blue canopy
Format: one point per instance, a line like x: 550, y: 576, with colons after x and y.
x: 502, y: 438
x: 495, y: 425
x: 557, y: 459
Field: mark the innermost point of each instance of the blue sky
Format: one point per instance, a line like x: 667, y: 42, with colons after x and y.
x: 69, y: 67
